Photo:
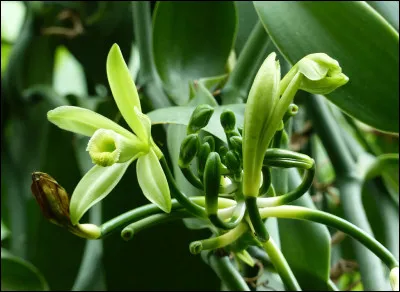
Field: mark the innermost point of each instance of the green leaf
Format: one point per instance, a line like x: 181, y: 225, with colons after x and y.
x: 389, y: 10
x: 201, y: 94
x: 191, y: 40
x: 247, y: 19
x: 5, y: 232
x: 18, y: 274
x: 214, y: 82
x: 305, y: 245
x: 97, y: 183
x: 301, y: 28
x: 181, y: 115
x: 153, y: 182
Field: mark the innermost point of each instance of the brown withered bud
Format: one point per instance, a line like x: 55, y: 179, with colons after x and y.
x: 51, y: 197
x: 54, y: 203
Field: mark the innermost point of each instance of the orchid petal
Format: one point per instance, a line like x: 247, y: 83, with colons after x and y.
x: 124, y: 90
x: 83, y: 121
x: 97, y: 183
x: 153, y: 182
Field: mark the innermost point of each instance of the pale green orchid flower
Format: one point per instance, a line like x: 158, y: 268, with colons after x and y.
x: 113, y: 148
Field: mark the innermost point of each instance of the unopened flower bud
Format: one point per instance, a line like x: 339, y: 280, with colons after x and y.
x: 200, y: 118
x: 232, y: 161
x: 189, y: 148
x: 228, y: 120
x: 54, y: 203
x: 211, y: 182
x: 210, y: 140
x: 51, y: 197
x: 222, y: 151
x: 322, y: 74
x: 236, y: 142
x: 202, y: 156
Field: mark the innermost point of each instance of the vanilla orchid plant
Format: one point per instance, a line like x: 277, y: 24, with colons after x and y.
x: 245, y: 162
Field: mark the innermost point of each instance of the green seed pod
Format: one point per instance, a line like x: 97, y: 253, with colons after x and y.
x: 232, y: 161
x: 210, y: 140
x: 236, y: 143
x: 199, y: 118
x: 202, y: 156
x: 211, y: 181
x: 189, y: 148
x: 228, y: 120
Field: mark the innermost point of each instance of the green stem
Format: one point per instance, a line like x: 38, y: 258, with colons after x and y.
x: 389, y: 214
x: 249, y: 61
x: 228, y: 274
x: 260, y: 254
x: 196, y: 210
x: 259, y: 228
x: 329, y: 133
x: 267, y: 179
x: 234, y: 221
x: 191, y: 177
x: 219, y: 241
x: 150, y: 221
x: 151, y: 209
x: 302, y: 213
x: 349, y: 186
x: 291, y: 196
x: 281, y: 265
x: 359, y: 134
x: 91, y: 265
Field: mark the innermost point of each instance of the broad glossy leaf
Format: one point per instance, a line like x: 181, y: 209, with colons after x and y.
x: 181, y: 115
x: 365, y: 46
x: 18, y: 274
x: 305, y: 245
x: 191, y: 40
x: 247, y: 18
x: 389, y: 10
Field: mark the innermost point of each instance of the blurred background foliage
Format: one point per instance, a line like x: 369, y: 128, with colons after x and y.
x: 54, y: 53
